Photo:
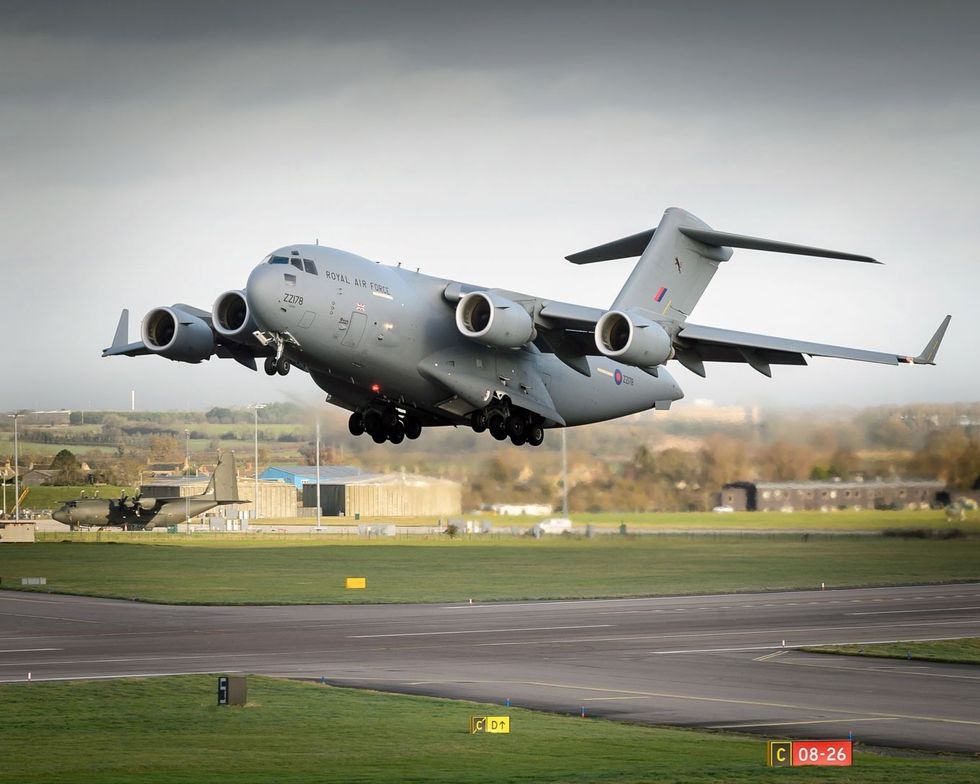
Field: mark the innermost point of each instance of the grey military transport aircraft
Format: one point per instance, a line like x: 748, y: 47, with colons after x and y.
x: 402, y: 350
x: 139, y: 513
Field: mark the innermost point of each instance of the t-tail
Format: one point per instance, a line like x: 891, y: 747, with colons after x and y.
x: 678, y: 259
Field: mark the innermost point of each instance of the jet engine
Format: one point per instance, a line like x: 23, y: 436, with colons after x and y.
x: 177, y: 335
x: 632, y: 339
x: 494, y: 320
x: 232, y: 317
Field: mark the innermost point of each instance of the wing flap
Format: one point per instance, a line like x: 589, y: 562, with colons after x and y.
x: 717, y: 345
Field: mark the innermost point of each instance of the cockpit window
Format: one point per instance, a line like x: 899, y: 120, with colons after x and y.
x: 278, y: 260
x: 296, y: 263
x: 310, y: 266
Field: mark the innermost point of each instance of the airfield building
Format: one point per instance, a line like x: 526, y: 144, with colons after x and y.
x: 386, y: 495
x: 826, y: 496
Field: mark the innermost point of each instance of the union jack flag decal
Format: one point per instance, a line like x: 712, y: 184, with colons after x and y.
x: 360, y: 307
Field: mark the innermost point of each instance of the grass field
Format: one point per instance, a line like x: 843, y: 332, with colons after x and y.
x: 170, y: 730
x: 296, y: 569
x: 956, y: 651
x: 832, y: 522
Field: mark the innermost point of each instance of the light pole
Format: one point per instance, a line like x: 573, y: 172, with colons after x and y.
x: 318, y: 507
x: 187, y: 466
x: 4, y: 491
x: 564, y: 475
x: 255, y: 408
x: 16, y: 470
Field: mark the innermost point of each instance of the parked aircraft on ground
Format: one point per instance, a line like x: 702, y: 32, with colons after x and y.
x: 403, y: 351
x: 139, y: 512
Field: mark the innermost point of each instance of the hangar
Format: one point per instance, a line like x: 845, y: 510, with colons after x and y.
x: 386, y: 495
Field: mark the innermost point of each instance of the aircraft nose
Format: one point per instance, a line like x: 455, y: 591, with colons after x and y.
x: 262, y: 292
x: 61, y: 516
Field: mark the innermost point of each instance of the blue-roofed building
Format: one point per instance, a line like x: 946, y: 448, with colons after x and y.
x: 300, y: 475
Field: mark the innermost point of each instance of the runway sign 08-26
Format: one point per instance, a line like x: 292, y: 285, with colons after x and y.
x: 784, y: 753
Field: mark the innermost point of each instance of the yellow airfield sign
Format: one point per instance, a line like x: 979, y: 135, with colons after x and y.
x: 355, y: 582
x: 491, y: 724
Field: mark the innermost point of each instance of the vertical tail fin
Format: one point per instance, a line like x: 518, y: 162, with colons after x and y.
x: 223, y: 486
x: 673, y: 270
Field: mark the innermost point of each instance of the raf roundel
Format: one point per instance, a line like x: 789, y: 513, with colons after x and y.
x: 618, y: 376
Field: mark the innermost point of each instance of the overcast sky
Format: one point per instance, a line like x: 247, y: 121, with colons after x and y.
x: 152, y: 155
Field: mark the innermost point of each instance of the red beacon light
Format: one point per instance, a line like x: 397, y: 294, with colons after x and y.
x: 375, y: 387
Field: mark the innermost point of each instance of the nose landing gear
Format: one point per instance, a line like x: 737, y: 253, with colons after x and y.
x: 277, y: 362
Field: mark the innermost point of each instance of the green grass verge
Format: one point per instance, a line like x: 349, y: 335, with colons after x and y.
x: 849, y: 521
x: 170, y: 730
x: 955, y: 651
x: 295, y: 569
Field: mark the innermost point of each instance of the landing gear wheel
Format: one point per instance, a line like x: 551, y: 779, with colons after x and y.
x: 535, y: 435
x: 518, y: 440
x: 498, y: 427
x: 516, y: 426
x: 284, y: 366
x: 372, y: 423
x: 478, y: 421
x: 355, y: 424
x: 397, y: 434
x: 379, y: 436
x: 413, y: 428
x: 270, y: 365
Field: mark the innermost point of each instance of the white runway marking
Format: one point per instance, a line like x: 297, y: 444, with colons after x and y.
x: 919, y: 610
x: 112, y: 677
x: 809, y: 645
x: 479, y: 631
x: 30, y: 650
x: 794, y: 723
x: 49, y: 617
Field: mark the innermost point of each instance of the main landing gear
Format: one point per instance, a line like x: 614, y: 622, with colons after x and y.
x: 522, y: 427
x: 384, y: 424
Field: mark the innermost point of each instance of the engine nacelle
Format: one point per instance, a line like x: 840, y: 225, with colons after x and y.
x: 177, y: 335
x: 232, y: 317
x: 633, y: 340
x: 494, y: 320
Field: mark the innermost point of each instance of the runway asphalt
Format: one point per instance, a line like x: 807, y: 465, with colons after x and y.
x: 725, y: 662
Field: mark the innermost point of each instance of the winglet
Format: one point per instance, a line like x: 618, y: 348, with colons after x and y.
x: 122, y: 330
x: 928, y: 355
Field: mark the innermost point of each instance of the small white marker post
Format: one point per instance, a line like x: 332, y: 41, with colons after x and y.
x: 784, y: 643
x: 28, y: 677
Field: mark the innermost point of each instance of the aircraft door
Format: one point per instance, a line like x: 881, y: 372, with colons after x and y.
x: 355, y: 330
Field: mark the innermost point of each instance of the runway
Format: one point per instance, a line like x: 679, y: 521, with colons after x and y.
x: 725, y: 662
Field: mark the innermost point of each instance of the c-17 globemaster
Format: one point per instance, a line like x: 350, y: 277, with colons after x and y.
x: 138, y: 512
x: 402, y: 350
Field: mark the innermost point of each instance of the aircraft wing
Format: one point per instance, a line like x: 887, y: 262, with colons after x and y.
x: 697, y: 344
x: 224, y: 347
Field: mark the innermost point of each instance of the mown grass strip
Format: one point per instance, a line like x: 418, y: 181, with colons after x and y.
x: 170, y: 730
x: 219, y: 570
x: 952, y: 651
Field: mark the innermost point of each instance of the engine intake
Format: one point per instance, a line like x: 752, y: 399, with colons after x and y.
x: 232, y: 317
x: 177, y: 335
x: 632, y: 339
x: 494, y: 320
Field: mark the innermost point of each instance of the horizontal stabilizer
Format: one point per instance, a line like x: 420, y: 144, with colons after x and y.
x: 625, y: 248
x: 721, y: 239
